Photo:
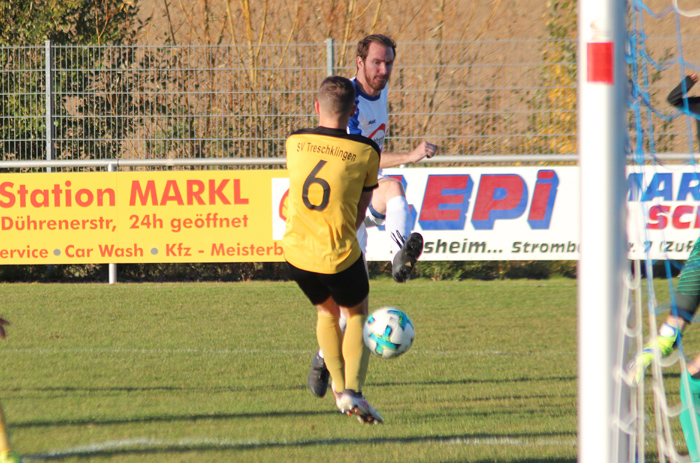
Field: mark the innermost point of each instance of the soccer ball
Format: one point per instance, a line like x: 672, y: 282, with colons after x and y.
x: 388, y: 332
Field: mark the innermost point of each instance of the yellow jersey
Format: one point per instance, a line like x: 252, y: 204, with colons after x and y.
x: 328, y: 171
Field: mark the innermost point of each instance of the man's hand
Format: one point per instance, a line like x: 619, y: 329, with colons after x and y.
x: 3, y: 323
x: 424, y: 150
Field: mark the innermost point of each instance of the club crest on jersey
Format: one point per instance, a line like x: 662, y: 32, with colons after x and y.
x: 378, y: 135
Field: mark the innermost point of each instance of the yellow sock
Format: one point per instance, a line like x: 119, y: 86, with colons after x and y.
x: 330, y: 339
x: 4, y: 444
x: 355, y: 353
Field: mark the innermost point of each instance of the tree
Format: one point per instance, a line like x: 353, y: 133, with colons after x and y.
x: 553, y: 121
x: 65, y: 22
x: 80, y: 93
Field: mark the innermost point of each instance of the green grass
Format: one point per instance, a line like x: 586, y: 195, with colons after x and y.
x: 217, y: 373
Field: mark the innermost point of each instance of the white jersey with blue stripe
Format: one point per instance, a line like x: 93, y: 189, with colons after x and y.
x: 371, y: 119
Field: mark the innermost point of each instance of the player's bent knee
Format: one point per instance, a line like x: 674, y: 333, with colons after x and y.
x: 360, y: 309
x: 390, y: 188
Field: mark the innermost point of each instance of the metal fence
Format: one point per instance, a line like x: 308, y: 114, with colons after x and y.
x: 193, y: 102
x: 213, y: 102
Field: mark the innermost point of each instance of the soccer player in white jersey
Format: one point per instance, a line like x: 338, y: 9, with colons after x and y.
x: 375, y: 62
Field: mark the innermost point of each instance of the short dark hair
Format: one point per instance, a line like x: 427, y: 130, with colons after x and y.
x: 336, y: 95
x: 379, y: 39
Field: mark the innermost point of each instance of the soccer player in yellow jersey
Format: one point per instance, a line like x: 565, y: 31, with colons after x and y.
x: 6, y: 455
x: 375, y: 63
x: 331, y: 178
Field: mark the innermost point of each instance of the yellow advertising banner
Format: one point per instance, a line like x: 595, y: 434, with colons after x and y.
x: 138, y: 217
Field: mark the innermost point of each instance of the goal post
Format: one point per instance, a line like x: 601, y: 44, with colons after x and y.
x: 602, y: 132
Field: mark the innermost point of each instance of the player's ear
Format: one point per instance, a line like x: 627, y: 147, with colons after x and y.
x: 317, y: 107
x: 359, y: 62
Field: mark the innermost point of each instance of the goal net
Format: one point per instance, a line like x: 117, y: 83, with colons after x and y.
x: 663, y: 225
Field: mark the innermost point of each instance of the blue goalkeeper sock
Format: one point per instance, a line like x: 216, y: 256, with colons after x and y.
x: 686, y: 423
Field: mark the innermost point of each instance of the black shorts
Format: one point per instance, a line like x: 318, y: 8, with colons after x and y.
x: 348, y: 288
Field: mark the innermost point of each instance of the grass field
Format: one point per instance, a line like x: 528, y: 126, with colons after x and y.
x: 217, y: 373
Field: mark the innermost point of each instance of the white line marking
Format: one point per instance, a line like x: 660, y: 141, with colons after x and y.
x: 145, y: 443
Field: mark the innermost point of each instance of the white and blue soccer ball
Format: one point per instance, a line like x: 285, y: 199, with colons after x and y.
x: 388, y: 332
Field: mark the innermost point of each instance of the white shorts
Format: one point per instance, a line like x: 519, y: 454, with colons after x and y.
x: 372, y: 219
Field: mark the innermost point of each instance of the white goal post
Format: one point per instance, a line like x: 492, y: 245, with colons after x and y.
x: 602, y: 132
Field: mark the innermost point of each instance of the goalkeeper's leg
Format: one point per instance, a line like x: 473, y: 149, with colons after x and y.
x: 691, y: 405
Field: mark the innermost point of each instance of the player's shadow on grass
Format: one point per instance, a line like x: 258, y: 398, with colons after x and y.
x: 145, y: 446
x: 239, y: 416
x: 63, y: 391
x: 172, y: 418
x: 92, y: 392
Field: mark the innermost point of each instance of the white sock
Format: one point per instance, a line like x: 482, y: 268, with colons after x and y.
x: 398, y: 218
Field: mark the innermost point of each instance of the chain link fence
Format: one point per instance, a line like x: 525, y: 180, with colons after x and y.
x: 195, y: 102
